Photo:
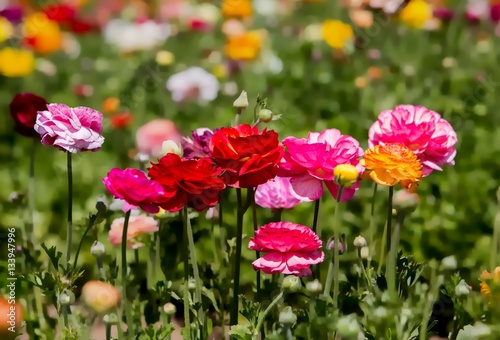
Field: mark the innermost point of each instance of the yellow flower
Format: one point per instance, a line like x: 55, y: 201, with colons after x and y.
x: 164, y: 58
x: 16, y: 63
x: 6, y: 29
x: 416, y: 13
x: 489, y: 282
x: 237, y: 8
x: 42, y: 33
x: 390, y: 164
x: 219, y: 71
x: 346, y: 175
x: 337, y: 34
x: 244, y: 47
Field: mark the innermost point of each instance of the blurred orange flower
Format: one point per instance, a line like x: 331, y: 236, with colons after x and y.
x: 42, y: 34
x: 110, y: 105
x: 390, y: 164
x: 361, y: 18
x: 244, y: 47
x: 237, y: 8
x: 337, y: 33
x: 489, y: 282
x: 16, y: 63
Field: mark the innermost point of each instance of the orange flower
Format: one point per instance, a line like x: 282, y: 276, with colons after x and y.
x: 42, y: 34
x: 390, y: 164
x: 489, y: 282
x: 237, y: 8
x: 244, y: 47
x: 110, y: 105
x: 337, y: 34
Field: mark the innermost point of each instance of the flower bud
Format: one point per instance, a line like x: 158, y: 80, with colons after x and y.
x: 462, y: 288
x: 265, y: 115
x: 169, y: 309
x: 365, y: 253
x: 97, y: 249
x: 348, y: 326
x: 406, y: 201
x: 346, y: 175
x: 449, y: 263
x: 242, y: 101
x: 102, y: 204
x: 67, y: 297
x: 212, y: 213
x: 291, y: 283
x: 360, y: 242
x: 191, y: 284
x: 287, y: 316
x: 330, y: 245
x: 169, y: 146
x: 101, y: 297
x: 314, y: 286
x: 111, y: 319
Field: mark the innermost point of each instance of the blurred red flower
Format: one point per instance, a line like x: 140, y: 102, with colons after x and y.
x: 195, y: 182
x: 249, y: 157
x: 81, y: 26
x: 60, y: 13
x: 121, y: 120
x: 24, y: 108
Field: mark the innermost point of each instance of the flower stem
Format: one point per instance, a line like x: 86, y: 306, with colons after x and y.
x: 371, y: 227
x: 263, y: 315
x: 119, y: 326
x: 194, y: 263
x: 185, y: 255
x: 237, y: 260
x: 389, y: 220
x: 79, y: 248
x: 316, y: 272
x: 392, y: 258
x: 31, y: 196
x: 495, y: 241
x: 128, y: 312
x: 69, y: 227
x: 336, y: 250
x: 108, y: 332
x: 363, y: 269
x: 255, y: 227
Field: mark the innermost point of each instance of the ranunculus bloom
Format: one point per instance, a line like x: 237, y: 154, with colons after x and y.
x: 423, y: 131
x: 121, y: 120
x: 60, y: 13
x: 390, y: 164
x: 6, y: 319
x: 312, y: 161
x: 194, y: 182
x: 490, y: 284
x: 138, y: 226
x: 134, y: 36
x: 150, y: 137
x: 249, y: 157
x: 199, y: 145
x: 24, y: 108
x: 100, y: 296
x: 194, y: 83
x: 416, y: 13
x: 132, y: 186
x: 337, y: 34
x: 291, y: 248
x: 43, y: 34
x: 70, y: 129
x: 16, y: 63
x: 237, y: 8
x: 245, y: 46
x: 12, y: 13
x: 276, y: 194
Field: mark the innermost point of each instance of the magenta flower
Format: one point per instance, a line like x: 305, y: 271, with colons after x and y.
x: 423, y: 131
x: 70, y: 129
x: 199, y: 145
x: 276, y: 194
x: 310, y: 162
x: 292, y: 249
x: 132, y: 186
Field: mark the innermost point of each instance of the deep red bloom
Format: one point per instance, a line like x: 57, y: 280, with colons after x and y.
x: 121, y: 120
x: 195, y: 182
x: 24, y: 108
x: 249, y: 157
x: 60, y: 13
x: 81, y: 26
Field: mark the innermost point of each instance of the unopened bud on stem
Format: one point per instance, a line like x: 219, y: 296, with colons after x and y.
x: 242, y: 101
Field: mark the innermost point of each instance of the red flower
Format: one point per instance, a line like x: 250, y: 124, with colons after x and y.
x: 192, y: 182
x: 121, y: 120
x: 249, y: 157
x: 80, y: 26
x: 60, y: 13
x: 24, y: 108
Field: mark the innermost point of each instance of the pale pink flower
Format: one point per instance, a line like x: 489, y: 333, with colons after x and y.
x: 423, y: 131
x: 193, y: 83
x: 138, y: 227
x: 292, y: 249
x: 310, y: 162
x: 70, y: 129
x: 150, y: 137
x: 276, y: 194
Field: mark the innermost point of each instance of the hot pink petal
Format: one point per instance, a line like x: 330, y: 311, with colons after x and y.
x: 289, y: 263
x: 306, y: 188
x: 347, y: 193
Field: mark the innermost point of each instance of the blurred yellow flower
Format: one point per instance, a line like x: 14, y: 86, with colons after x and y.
x: 237, y: 8
x: 489, y: 282
x: 164, y: 58
x: 337, y: 33
x: 43, y: 34
x: 219, y: 71
x: 416, y: 13
x: 6, y: 29
x: 16, y: 63
x: 244, y: 47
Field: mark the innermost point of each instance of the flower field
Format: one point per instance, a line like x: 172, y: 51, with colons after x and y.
x: 266, y: 169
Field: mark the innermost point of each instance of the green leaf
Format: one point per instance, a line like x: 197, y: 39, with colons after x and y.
x: 53, y: 255
x: 210, y: 295
x: 241, y: 332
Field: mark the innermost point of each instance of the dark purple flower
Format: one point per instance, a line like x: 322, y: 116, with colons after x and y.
x: 12, y: 13
x: 444, y: 13
x: 198, y: 145
x: 495, y: 13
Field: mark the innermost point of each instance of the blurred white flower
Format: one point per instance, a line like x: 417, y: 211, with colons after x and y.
x: 266, y: 7
x: 129, y: 36
x: 388, y: 6
x: 478, y: 8
x: 193, y: 83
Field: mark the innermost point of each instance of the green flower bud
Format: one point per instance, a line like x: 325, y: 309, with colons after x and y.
x: 331, y: 244
x: 98, y: 249
x: 449, y: 263
x: 111, y: 319
x: 67, y: 297
x: 169, y: 309
x: 462, y: 289
x: 348, y: 326
x: 265, y: 115
x: 291, y: 283
x: 314, y: 286
x: 287, y: 316
x: 242, y: 101
x: 360, y: 242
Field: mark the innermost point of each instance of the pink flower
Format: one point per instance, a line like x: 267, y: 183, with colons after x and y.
x: 138, y: 226
x: 423, y: 131
x: 310, y: 162
x: 132, y: 186
x: 292, y: 248
x: 71, y: 129
x: 150, y: 137
x: 276, y: 194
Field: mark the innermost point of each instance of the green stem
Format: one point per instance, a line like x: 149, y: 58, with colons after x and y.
x: 372, y: 224
x: 329, y: 279
x: 80, y: 244
x: 100, y: 269
x: 457, y: 326
x: 237, y: 260
x: 69, y: 226
x: 194, y: 263
x: 262, y: 316
x: 185, y: 255
x: 392, y: 258
x: 136, y: 258
x: 119, y: 328
x: 255, y: 227
x: 363, y: 269
x: 431, y: 298
x: 316, y: 272
x: 336, y: 251
x: 389, y: 220
x: 382, y: 248
x: 215, y: 248
x: 496, y: 237
x: 108, y: 332
x: 31, y: 195
x: 128, y: 312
